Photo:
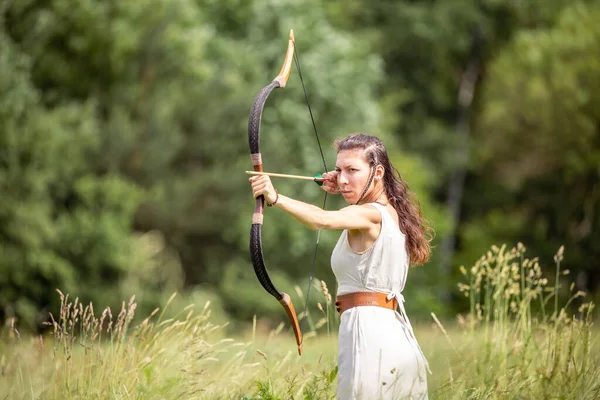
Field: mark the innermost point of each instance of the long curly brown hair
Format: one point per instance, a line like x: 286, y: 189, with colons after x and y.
x: 412, y: 224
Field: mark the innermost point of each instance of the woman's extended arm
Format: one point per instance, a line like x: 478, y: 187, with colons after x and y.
x: 351, y: 218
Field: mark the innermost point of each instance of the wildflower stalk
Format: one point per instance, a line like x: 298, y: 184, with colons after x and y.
x: 519, y: 354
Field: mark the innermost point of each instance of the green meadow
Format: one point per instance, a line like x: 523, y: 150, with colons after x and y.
x: 520, y: 340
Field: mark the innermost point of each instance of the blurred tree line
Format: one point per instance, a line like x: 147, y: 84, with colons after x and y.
x: 123, y: 139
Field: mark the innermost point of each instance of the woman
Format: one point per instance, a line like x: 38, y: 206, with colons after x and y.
x: 383, y: 232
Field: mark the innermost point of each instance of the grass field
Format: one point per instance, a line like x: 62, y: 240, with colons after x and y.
x: 501, y: 349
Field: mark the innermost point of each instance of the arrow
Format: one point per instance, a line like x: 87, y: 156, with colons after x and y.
x: 317, y: 178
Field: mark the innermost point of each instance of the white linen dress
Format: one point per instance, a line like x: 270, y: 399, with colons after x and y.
x: 378, y: 354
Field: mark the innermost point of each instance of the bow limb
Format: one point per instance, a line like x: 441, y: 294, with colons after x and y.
x: 284, y: 74
x: 256, y: 253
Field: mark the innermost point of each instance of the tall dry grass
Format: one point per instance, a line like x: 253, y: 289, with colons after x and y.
x: 104, y: 356
x: 518, y: 340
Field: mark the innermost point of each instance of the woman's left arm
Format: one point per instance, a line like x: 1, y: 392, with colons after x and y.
x: 351, y: 217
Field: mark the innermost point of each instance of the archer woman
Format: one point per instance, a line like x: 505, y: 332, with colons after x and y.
x: 383, y: 233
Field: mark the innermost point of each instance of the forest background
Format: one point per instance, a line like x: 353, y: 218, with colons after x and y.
x: 123, y: 142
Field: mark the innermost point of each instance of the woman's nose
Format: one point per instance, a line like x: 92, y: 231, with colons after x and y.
x: 342, y: 179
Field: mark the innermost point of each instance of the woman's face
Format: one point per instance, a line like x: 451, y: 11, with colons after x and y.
x: 353, y: 174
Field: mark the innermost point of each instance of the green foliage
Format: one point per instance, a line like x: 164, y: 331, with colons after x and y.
x: 315, y: 386
x: 537, y: 135
x: 321, y: 384
x: 426, y: 45
x: 547, y: 84
x: 62, y: 224
x: 124, y: 124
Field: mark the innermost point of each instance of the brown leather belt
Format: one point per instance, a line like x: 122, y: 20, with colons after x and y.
x: 357, y: 299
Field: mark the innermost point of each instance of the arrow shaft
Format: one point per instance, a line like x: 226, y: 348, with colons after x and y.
x: 306, y: 178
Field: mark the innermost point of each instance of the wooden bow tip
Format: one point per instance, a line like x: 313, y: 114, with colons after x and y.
x: 287, y: 304
x: 284, y: 74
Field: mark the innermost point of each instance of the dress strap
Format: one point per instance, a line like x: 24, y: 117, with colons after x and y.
x: 406, y: 322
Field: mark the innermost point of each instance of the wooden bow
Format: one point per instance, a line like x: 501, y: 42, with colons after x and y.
x: 256, y: 252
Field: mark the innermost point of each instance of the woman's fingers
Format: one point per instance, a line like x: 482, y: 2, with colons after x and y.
x: 262, y: 186
x: 330, y: 187
x: 258, y: 188
x: 330, y: 184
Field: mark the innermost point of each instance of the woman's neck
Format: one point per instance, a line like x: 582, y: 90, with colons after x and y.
x: 376, y: 195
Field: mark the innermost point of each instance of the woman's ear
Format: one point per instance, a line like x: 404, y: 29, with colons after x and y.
x: 379, y: 172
